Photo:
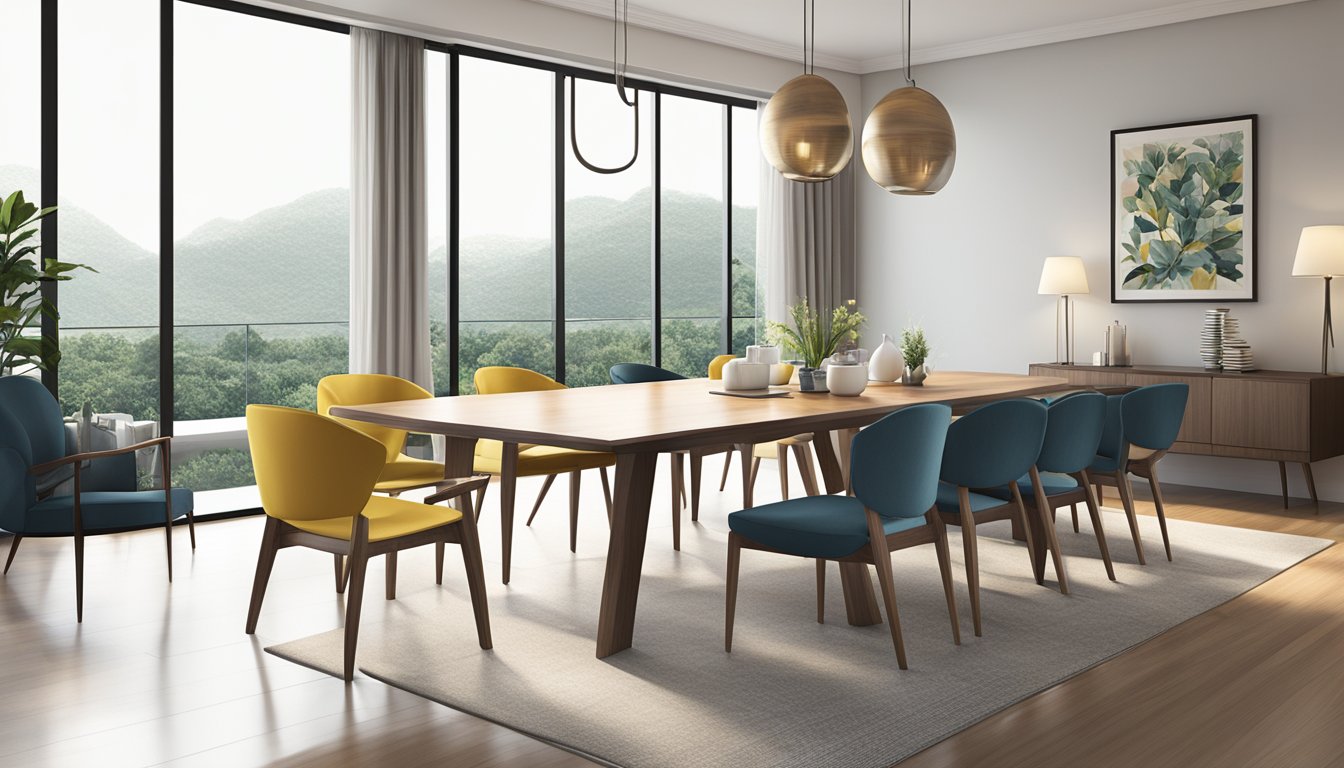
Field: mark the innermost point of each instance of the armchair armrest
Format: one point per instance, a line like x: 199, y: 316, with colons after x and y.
x: 456, y: 487
x: 39, y: 469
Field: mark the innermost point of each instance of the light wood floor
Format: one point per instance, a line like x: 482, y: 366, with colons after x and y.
x: 164, y: 675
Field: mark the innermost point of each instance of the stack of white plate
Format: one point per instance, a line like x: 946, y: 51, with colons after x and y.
x: 1211, y: 338
x: 1236, y: 352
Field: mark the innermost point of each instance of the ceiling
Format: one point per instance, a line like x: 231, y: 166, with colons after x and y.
x: 862, y: 36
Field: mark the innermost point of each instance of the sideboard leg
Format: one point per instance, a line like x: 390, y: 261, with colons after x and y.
x: 1311, y: 485
x: 1283, y: 480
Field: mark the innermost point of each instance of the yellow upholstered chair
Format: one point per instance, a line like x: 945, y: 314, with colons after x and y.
x: 400, y: 472
x: 316, y: 478
x: 533, y: 460
x: 800, y: 445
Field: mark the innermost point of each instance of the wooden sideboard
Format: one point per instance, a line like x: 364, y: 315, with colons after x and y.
x: 1272, y: 415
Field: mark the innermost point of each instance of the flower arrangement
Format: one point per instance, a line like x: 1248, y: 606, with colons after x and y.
x: 814, y: 336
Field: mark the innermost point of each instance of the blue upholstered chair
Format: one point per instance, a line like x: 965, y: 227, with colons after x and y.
x: 1140, y: 428
x: 991, y: 446
x: 1072, y: 434
x: 639, y: 373
x: 34, y: 459
x: 894, y: 474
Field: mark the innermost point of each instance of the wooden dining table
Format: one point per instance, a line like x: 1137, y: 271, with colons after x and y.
x: 636, y: 422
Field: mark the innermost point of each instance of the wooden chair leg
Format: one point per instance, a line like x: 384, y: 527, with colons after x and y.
x: 438, y: 553
x: 877, y: 542
x: 391, y: 586
x: 270, y: 538
x: 696, y: 462
x: 1101, y: 497
x: 802, y: 453
x: 191, y: 528
x: 359, y: 563
x: 674, y: 478
x: 339, y: 561
x: 574, y: 510
x: 1033, y: 552
x: 727, y: 463
x: 545, y: 486
x: 1094, y: 510
x: 480, y: 498
x: 13, y: 547
x: 821, y: 591
x: 606, y: 490
x: 168, y: 538
x: 1073, y: 510
x: 782, y: 457
x: 1127, y: 501
x: 734, y: 558
x: 79, y: 576
x: 972, y: 556
x: 1044, y: 513
x: 1161, y: 508
x: 471, y: 558
x: 945, y: 569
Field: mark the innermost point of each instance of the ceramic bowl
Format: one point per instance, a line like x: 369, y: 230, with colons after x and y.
x: 780, y: 374
x: 847, y: 380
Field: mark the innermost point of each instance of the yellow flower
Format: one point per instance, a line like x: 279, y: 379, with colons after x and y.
x: 1203, y: 280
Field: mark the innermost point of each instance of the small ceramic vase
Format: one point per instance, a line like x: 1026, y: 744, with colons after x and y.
x: 885, y: 364
x: 914, y: 377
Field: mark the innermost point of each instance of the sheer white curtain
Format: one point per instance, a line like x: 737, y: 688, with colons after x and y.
x: 805, y: 240
x: 389, y: 252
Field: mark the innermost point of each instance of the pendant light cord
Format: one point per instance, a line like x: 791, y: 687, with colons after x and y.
x: 809, y: 37
x: 620, y: 39
x: 905, y: 8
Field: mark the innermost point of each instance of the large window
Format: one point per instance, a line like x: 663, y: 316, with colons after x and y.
x: 748, y: 288
x: 261, y: 171
x: 21, y: 125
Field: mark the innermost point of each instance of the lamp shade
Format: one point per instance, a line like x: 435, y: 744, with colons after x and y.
x: 1063, y: 276
x: 1320, y: 252
x: 909, y: 145
x: 805, y: 130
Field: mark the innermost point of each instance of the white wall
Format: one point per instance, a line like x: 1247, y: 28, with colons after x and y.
x: 1032, y: 180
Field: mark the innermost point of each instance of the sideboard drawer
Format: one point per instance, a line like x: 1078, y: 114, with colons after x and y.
x: 1196, y: 427
x: 1252, y: 413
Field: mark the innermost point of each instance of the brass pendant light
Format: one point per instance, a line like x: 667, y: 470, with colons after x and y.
x: 805, y: 128
x: 909, y: 144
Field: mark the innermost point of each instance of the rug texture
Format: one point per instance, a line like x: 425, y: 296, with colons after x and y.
x: 792, y: 692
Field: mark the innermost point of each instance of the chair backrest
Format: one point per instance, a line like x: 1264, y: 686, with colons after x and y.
x: 1072, y: 432
x: 894, y: 464
x: 39, y: 414
x: 994, y: 444
x: 365, y: 388
x: 500, y: 379
x: 716, y: 366
x: 18, y: 487
x: 310, y: 467
x: 639, y: 373
x: 1152, y: 415
x: 1113, y: 443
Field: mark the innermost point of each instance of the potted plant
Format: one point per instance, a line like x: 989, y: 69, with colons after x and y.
x: 21, y: 304
x: 915, y: 352
x: 813, y: 336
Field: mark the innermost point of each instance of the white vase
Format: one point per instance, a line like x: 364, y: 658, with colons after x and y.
x: 885, y: 364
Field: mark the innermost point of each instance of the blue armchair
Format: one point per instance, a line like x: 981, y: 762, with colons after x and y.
x: 35, y: 459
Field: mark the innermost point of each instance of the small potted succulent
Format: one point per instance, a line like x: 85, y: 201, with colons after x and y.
x: 814, y: 336
x: 915, y: 353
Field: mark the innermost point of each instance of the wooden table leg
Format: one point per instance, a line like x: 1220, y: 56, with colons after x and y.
x: 860, y: 602
x: 745, y: 451
x: 625, y: 552
x: 508, y: 487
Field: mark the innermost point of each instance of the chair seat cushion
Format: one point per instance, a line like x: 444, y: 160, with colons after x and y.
x: 1051, y: 482
x: 770, y: 450
x: 388, y: 519
x: 813, y: 526
x: 406, y: 472
x: 1104, y: 464
x: 948, y: 501
x: 547, y: 460
x: 103, y: 511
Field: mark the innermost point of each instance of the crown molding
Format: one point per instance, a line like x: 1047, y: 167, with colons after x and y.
x: 677, y: 25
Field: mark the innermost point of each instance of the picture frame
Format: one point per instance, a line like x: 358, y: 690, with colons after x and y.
x: 1183, y: 210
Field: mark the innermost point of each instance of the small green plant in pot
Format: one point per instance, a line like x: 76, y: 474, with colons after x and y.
x: 21, y: 304
x: 813, y: 336
x: 915, y: 352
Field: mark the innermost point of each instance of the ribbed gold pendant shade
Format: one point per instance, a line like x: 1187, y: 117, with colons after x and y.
x: 909, y: 145
x: 805, y: 130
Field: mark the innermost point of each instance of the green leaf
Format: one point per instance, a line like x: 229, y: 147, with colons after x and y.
x: 1144, y: 225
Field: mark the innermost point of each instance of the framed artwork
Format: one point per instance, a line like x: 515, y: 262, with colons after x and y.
x: 1183, y: 212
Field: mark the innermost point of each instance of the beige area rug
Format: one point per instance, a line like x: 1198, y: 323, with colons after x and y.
x: 793, y: 692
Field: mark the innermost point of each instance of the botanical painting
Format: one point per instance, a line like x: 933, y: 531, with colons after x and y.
x: 1183, y: 209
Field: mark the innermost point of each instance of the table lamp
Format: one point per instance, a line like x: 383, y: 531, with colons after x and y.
x: 1063, y: 276
x: 1320, y: 253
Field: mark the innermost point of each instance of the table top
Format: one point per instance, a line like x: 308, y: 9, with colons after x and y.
x: 673, y: 415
